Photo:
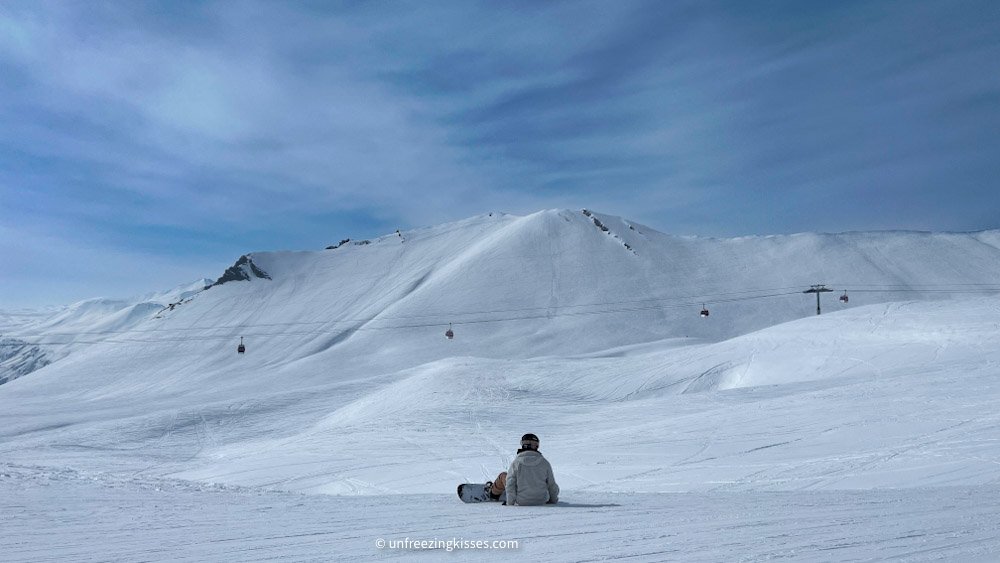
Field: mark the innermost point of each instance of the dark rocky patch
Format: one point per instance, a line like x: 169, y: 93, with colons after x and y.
x: 243, y: 270
x: 19, y: 358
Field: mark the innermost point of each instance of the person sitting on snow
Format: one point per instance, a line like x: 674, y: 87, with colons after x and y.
x: 529, y: 481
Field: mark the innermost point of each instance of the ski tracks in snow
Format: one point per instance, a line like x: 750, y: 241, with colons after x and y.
x: 66, y: 515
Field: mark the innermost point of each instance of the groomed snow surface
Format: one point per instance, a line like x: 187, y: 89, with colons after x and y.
x: 67, y: 516
x: 761, y: 432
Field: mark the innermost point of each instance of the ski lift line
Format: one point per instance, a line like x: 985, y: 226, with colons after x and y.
x: 699, y: 298
x: 569, y: 314
x: 696, y: 299
x: 969, y: 291
x: 606, y: 303
x: 943, y: 285
x: 316, y: 333
x: 393, y: 327
x: 545, y: 313
x: 542, y: 313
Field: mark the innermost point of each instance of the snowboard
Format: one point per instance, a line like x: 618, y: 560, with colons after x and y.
x: 475, y: 492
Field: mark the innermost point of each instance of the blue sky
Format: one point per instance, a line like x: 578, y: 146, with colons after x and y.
x: 147, y: 144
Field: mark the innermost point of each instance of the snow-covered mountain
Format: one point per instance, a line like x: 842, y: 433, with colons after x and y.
x: 570, y: 305
x: 563, y: 320
x: 30, y: 340
x: 552, y: 283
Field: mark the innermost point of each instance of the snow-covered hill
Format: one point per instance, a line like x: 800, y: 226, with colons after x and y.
x: 580, y: 327
x: 30, y: 340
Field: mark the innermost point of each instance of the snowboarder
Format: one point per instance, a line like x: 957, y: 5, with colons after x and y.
x: 529, y: 481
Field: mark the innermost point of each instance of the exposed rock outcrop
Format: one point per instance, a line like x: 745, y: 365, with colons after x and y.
x: 243, y: 270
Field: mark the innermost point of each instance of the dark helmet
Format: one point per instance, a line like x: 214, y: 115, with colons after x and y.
x: 529, y: 442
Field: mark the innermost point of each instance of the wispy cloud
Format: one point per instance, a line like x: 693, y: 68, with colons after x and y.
x: 250, y: 125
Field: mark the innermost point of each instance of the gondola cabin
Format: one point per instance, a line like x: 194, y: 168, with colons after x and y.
x: 241, y: 348
x: 704, y: 311
x: 449, y: 334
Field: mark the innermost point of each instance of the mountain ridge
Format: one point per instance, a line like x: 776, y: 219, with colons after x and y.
x: 545, y: 271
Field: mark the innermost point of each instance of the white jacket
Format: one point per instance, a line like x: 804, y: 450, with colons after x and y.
x: 530, y: 480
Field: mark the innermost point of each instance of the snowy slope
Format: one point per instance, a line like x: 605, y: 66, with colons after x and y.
x: 585, y: 332
x: 31, y: 340
x: 567, y: 313
x: 112, y: 518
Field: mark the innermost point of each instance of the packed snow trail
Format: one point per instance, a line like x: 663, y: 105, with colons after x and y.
x: 59, y: 515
